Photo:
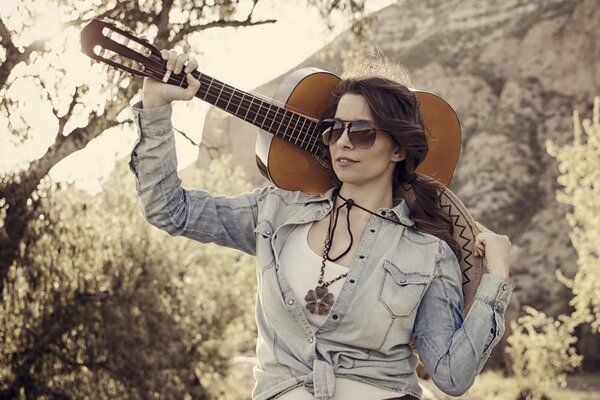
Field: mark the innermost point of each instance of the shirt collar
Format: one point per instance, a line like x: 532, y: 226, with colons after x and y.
x: 399, y: 212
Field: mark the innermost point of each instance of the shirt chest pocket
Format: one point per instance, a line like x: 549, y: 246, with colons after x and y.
x: 264, y: 251
x: 401, y: 291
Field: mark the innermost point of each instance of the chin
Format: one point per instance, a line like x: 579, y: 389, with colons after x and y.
x: 351, y: 179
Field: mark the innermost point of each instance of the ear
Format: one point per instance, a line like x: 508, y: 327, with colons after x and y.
x: 398, y: 154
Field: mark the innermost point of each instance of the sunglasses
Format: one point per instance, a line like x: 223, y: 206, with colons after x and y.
x: 361, y: 133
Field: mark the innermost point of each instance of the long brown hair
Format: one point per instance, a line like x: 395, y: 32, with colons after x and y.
x: 395, y: 109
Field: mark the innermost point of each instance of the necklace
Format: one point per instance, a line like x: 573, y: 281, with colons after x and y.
x: 319, y: 300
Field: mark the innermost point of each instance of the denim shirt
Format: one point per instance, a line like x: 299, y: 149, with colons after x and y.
x: 402, y: 284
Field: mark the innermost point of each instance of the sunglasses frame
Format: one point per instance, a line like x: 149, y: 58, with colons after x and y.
x: 327, y: 129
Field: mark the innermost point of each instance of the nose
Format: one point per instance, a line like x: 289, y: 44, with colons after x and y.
x: 344, y: 140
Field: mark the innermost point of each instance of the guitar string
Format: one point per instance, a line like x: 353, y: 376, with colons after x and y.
x: 287, y: 118
x: 303, y: 135
x: 308, y: 141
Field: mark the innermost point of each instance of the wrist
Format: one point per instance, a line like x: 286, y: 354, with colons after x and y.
x: 152, y: 102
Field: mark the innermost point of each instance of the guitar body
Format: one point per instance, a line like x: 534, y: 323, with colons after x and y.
x: 307, y: 91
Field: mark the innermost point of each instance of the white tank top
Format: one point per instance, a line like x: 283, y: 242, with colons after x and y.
x: 301, y: 267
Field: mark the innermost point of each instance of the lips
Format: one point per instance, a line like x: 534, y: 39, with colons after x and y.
x: 343, y: 161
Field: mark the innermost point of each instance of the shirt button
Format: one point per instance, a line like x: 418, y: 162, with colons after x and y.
x: 383, y: 213
x: 335, y: 316
x: 505, y: 287
x: 268, y: 232
x: 311, y: 339
x: 372, y: 230
x: 290, y: 302
x: 352, y: 281
x: 361, y: 257
x: 492, y: 331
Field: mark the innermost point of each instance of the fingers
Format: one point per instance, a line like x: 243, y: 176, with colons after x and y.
x: 176, y: 62
x: 191, y: 65
x: 480, y: 242
x: 193, y: 86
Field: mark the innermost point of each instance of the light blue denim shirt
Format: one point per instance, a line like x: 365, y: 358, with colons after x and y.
x: 402, y: 284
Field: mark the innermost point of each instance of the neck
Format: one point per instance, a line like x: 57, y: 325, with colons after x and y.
x: 368, y: 197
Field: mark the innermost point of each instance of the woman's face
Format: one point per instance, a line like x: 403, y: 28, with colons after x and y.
x: 363, y: 167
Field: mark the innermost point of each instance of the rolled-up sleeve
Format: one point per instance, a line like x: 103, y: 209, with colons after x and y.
x: 225, y: 220
x: 454, y: 350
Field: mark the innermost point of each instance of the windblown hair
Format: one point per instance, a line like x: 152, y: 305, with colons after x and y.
x: 395, y: 109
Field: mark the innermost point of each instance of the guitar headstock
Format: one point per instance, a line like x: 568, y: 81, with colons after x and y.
x: 104, y: 41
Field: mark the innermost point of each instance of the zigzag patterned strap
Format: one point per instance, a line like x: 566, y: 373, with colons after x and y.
x: 464, y: 233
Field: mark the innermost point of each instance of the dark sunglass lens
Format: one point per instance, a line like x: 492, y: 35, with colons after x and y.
x: 362, y: 134
x: 333, y: 132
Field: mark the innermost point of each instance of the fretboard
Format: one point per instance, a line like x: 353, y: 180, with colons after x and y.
x: 274, y: 119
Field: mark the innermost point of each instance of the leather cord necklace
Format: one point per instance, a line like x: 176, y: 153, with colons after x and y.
x: 319, y: 300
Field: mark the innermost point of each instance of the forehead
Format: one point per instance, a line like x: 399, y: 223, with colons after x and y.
x: 353, y: 107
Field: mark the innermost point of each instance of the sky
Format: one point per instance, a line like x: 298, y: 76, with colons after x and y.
x: 244, y: 57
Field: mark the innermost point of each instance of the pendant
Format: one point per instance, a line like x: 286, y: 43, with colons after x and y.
x: 319, y: 300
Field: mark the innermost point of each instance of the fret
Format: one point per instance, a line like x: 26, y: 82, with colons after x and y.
x: 241, y: 101
x: 219, y: 97
x: 259, y: 122
x: 302, y: 132
x: 268, y: 116
x: 314, y: 138
x: 294, y: 128
x: 283, y: 133
x: 250, y: 116
x: 258, y: 107
x: 254, y: 109
x: 208, y: 89
x: 230, y: 97
x: 248, y: 109
x: 244, y: 105
x: 288, y: 129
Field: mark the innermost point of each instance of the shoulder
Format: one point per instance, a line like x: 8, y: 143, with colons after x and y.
x: 288, y: 197
x: 419, y: 238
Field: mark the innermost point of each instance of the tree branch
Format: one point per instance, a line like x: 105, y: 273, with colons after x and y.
x: 16, y: 191
x: 185, y: 30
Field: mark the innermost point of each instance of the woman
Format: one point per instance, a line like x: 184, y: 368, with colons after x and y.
x: 348, y: 278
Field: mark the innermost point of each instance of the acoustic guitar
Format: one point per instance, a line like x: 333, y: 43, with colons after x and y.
x: 287, y: 146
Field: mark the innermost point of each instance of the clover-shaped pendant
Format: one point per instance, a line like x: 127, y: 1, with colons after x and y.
x: 319, y: 300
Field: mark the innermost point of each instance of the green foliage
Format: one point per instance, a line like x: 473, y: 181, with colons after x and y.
x: 541, y: 347
x: 579, y: 164
x: 101, y: 305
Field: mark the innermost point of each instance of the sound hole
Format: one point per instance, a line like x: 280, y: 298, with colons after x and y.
x: 321, y: 161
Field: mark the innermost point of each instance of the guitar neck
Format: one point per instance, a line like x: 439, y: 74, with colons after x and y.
x: 293, y: 127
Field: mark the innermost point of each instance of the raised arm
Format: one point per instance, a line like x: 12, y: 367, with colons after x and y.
x: 227, y: 221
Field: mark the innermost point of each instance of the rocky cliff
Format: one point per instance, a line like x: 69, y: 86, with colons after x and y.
x: 514, y: 71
